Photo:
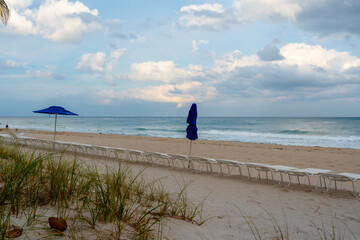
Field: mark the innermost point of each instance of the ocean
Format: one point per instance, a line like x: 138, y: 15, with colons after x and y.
x: 324, y: 132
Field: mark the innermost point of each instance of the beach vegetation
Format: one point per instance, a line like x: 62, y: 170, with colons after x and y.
x: 112, y: 202
x: 4, y: 12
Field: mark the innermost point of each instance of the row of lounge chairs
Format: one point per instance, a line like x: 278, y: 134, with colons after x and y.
x: 201, y: 164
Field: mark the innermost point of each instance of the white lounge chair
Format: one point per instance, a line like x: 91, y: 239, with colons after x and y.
x: 122, y: 154
x: 200, y: 161
x: 158, y: 158
x: 260, y: 167
x: 307, y: 172
x: 176, y: 159
x: 230, y: 164
x: 280, y: 169
x: 136, y: 155
x: 341, y: 177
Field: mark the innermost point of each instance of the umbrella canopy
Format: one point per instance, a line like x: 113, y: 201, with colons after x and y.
x: 191, y: 130
x: 57, y: 110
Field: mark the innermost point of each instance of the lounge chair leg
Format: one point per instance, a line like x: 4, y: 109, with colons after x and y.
x: 240, y: 170
x: 328, y: 187
x: 281, y: 177
x: 289, y: 180
x: 249, y: 175
x: 298, y: 178
x: 353, y: 188
x: 221, y: 173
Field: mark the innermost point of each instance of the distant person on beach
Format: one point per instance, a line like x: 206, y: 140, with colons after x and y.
x: 7, y: 126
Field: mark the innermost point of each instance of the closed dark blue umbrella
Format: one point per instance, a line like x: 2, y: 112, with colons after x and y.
x: 57, y: 110
x: 191, y: 130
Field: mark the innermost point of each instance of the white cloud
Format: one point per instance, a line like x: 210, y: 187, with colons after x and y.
x: 19, y: 24
x: 186, y: 92
x: 139, y: 39
x: 12, y: 64
x: 162, y: 71
x: 304, y: 73
x: 230, y: 61
x: 92, y: 62
x: 195, y: 44
x: 48, y: 73
x: 323, y: 17
x: 19, y: 4
x: 214, y: 16
x: 253, y: 10
x: 307, y: 56
x: 216, y: 8
x: 211, y: 15
x: 101, y: 64
x: 181, y: 94
x: 57, y: 20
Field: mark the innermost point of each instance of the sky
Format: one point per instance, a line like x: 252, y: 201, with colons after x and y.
x: 246, y: 58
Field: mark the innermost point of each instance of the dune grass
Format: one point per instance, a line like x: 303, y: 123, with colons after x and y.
x: 117, y: 203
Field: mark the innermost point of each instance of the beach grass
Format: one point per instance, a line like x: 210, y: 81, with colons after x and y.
x: 114, y: 203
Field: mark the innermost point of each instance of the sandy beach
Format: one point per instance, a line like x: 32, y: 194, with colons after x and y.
x: 303, y: 211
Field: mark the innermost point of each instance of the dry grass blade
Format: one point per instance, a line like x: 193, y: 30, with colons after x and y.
x: 4, y: 12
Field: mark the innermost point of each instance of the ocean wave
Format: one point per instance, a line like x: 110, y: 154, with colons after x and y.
x: 159, y: 129
x: 294, y: 132
x: 284, y: 139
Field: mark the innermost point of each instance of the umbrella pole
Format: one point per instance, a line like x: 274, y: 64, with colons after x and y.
x: 55, y: 126
x: 190, y: 153
x: 190, y: 148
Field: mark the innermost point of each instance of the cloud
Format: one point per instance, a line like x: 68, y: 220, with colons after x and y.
x: 323, y: 17
x: 56, y: 20
x: 48, y: 73
x: 195, y: 44
x: 163, y: 71
x: 307, y: 57
x: 270, y: 53
x: 101, y: 64
x: 250, y: 10
x: 216, y: 17
x: 305, y: 72
x: 302, y: 73
x: 11, y: 64
x: 205, y: 15
x: 184, y: 93
x: 92, y: 62
x: 137, y: 38
x: 19, y: 4
x: 181, y: 94
x: 330, y: 17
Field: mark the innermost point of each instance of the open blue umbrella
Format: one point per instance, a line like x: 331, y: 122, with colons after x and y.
x: 57, y: 110
x: 191, y: 130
